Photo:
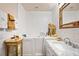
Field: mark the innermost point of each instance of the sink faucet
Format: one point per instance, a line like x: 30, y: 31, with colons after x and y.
x: 67, y: 41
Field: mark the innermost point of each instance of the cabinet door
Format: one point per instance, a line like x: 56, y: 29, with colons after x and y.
x: 32, y: 46
x: 38, y: 49
x: 28, y: 47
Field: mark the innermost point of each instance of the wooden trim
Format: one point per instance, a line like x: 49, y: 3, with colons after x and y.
x: 64, y: 6
x: 61, y: 14
x: 74, y: 24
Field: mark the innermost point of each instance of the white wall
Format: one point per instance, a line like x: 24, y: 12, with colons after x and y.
x: 73, y: 34
x: 55, y: 16
x: 37, y: 22
x: 70, y: 16
x: 33, y: 22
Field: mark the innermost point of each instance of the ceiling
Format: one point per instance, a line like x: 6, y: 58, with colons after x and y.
x: 39, y: 6
x: 72, y: 7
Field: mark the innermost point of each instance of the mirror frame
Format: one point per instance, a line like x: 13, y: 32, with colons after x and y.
x: 74, y: 24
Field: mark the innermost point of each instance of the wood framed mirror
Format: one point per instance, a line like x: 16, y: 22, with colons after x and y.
x: 69, y: 15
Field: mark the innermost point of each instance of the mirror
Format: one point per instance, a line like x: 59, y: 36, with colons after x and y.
x: 69, y: 15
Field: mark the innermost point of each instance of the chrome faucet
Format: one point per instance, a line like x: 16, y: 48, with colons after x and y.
x: 67, y: 41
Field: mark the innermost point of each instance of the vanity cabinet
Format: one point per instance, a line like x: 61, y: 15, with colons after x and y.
x: 28, y: 45
x: 38, y: 46
x: 33, y: 46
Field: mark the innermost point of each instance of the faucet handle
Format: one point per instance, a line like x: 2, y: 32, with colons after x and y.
x: 75, y: 45
x: 67, y: 41
x: 24, y: 35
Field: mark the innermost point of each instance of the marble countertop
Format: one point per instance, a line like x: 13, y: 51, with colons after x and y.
x: 62, y: 49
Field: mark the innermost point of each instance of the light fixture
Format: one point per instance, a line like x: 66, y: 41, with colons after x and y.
x: 71, y: 7
x: 36, y: 7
